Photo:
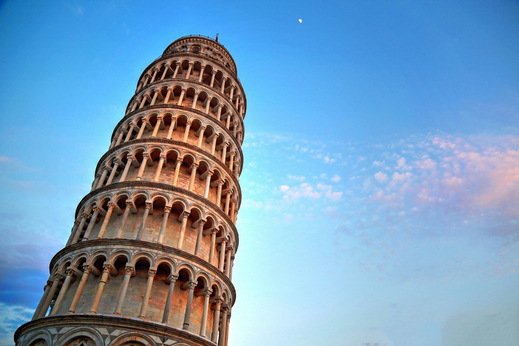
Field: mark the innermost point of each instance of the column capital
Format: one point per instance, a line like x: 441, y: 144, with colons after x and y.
x: 185, y: 214
x: 87, y: 269
x: 172, y: 278
x: 111, y: 205
x: 129, y: 204
x: 191, y: 284
x: 145, y: 155
x: 107, y: 267
x: 162, y: 156
x: 167, y: 209
x: 151, y: 273
x: 208, y: 292
x: 96, y: 209
x: 129, y: 269
x: 149, y: 205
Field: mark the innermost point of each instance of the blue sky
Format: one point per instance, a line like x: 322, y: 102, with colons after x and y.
x: 381, y: 172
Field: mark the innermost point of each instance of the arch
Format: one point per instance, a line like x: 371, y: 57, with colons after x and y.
x: 62, y: 265
x: 140, y: 195
x: 179, y: 204
x: 41, y: 335
x: 90, y: 336
x: 118, y: 254
x: 216, y: 286
x: 143, y: 256
x: 80, y: 260
x: 132, y: 338
x: 203, y: 278
x: 167, y: 262
x: 185, y: 272
x: 207, y: 75
x: 159, y: 197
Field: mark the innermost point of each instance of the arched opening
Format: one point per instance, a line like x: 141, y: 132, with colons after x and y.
x: 133, y: 302
x: 167, y: 175
x: 192, y: 137
x: 160, y: 289
x: 188, y: 98
x: 197, y: 67
x: 207, y: 75
x: 201, y: 101
x: 185, y: 172
x: 179, y: 132
x: 171, y: 233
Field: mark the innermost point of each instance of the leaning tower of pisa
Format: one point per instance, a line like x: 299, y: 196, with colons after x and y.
x: 150, y: 255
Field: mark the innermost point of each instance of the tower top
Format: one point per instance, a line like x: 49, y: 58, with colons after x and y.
x: 202, y: 45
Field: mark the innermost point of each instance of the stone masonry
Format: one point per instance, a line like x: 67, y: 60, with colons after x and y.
x: 149, y: 259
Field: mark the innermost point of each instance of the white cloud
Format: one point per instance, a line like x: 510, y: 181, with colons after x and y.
x: 296, y: 177
x: 336, y: 178
x: 296, y: 192
x: 401, y: 176
x: 381, y: 177
x: 401, y: 163
x: 334, y: 196
x: 11, y: 317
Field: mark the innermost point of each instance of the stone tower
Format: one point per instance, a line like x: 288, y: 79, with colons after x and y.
x: 149, y: 259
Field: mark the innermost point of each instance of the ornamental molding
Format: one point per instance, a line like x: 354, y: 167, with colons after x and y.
x: 157, y: 250
x: 164, y: 187
x: 80, y: 321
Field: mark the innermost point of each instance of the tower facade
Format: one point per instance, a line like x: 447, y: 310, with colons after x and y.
x: 149, y: 259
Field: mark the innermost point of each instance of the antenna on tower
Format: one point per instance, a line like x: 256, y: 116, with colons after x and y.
x: 216, y: 37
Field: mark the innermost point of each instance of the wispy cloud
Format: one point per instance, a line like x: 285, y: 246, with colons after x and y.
x: 444, y: 187
x: 11, y: 317
x: 296, y: 192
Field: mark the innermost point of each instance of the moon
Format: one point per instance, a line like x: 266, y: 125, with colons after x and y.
x: 300, y: 20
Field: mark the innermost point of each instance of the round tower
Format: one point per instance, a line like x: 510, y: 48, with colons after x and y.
x: 149, y: 259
